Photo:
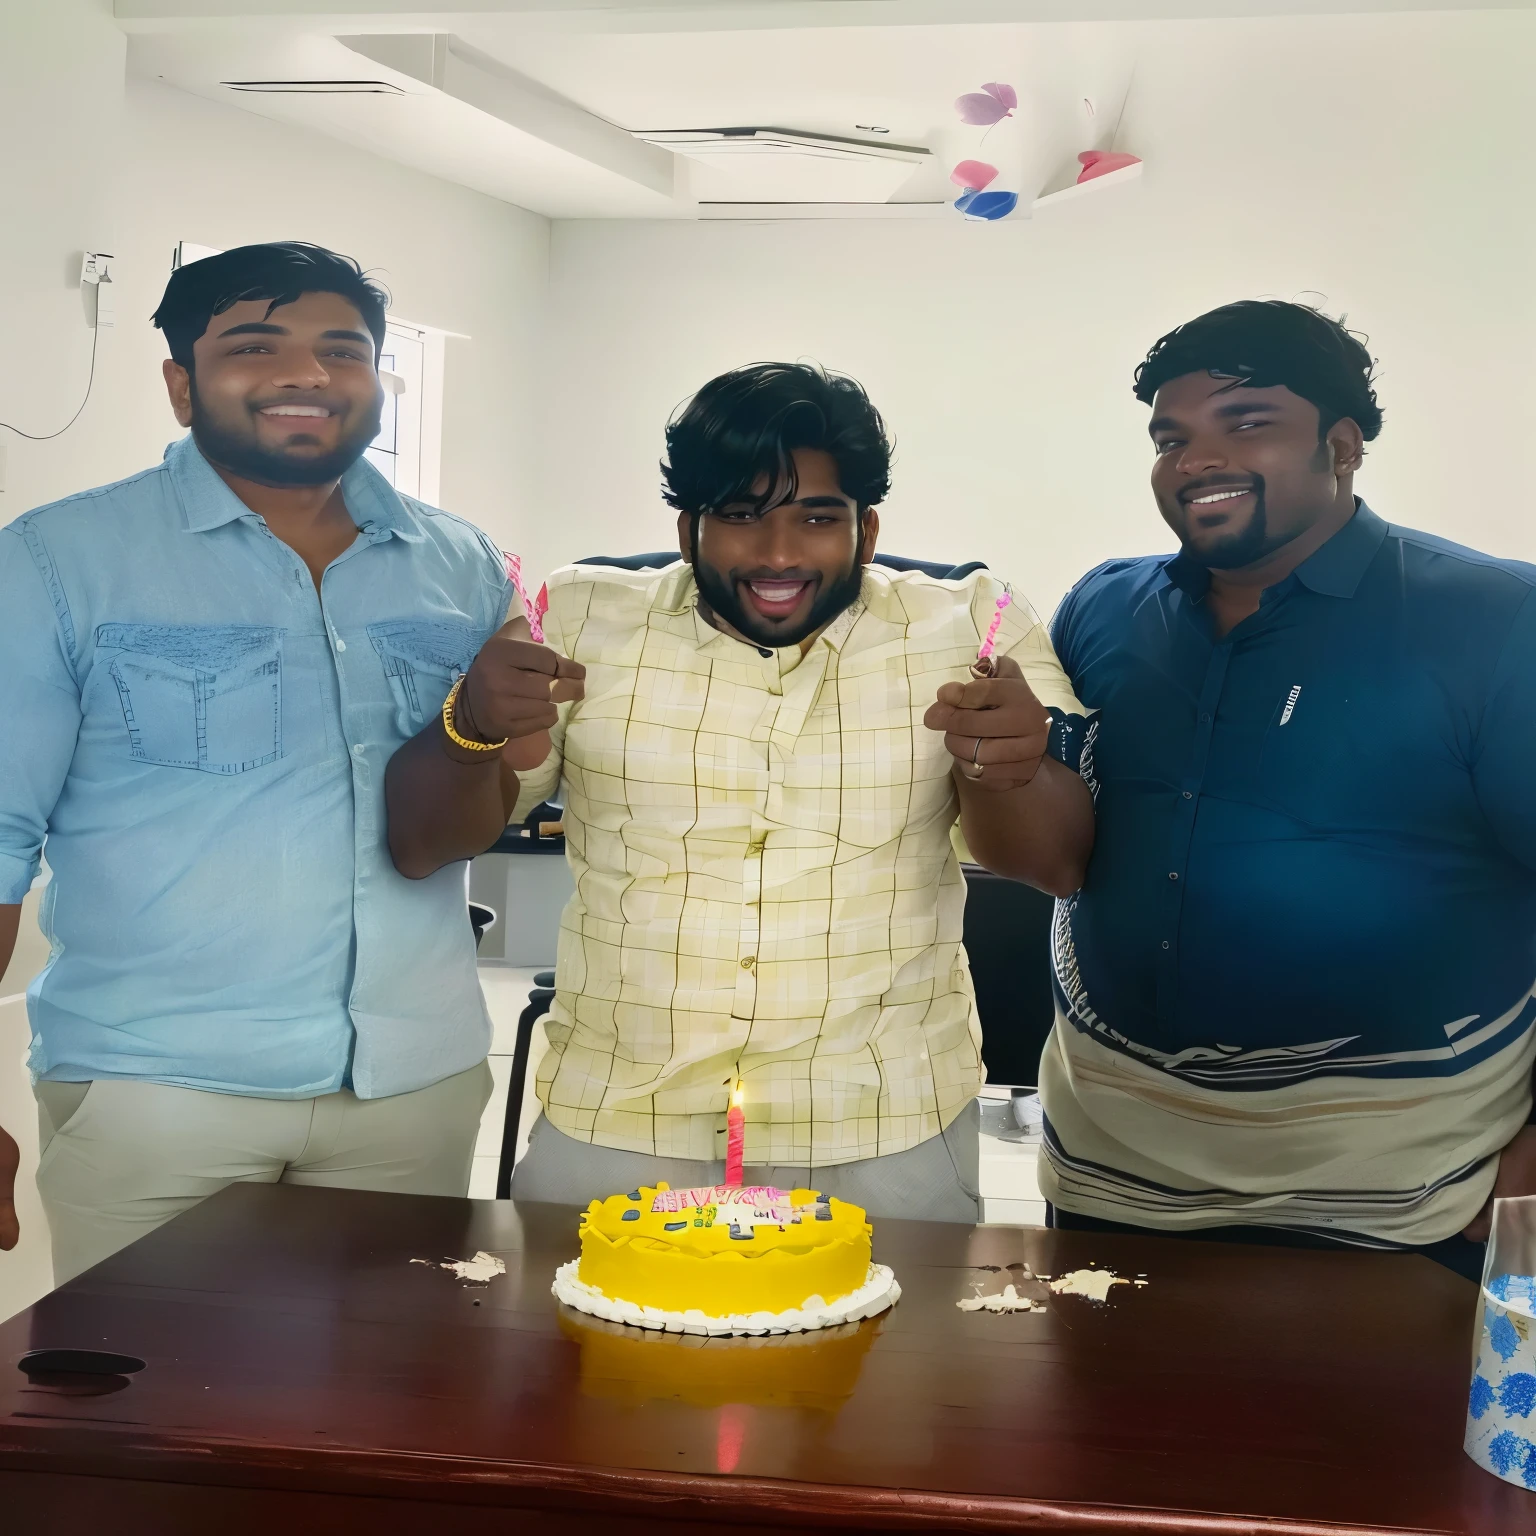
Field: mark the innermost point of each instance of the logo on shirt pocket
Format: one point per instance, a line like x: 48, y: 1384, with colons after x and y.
x: 203, y: 696
x: 421, y: 659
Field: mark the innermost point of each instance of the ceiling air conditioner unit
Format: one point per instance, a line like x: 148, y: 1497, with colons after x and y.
x: 788, y: 165
x: 313, y: 87
x: 709, y: 142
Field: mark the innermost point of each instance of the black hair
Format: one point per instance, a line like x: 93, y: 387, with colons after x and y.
x: 281, y: 270
x: 743, y: 426
x: 1268, y: 342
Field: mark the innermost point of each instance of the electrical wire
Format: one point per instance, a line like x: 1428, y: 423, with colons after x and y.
x: 44, y: 437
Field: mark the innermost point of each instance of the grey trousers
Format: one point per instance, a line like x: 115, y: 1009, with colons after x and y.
x: 937, y: 1180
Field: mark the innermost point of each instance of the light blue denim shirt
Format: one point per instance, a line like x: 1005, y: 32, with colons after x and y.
x: 201, y: 739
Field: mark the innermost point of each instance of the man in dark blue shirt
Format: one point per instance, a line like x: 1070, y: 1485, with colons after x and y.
x: 1295, y: 993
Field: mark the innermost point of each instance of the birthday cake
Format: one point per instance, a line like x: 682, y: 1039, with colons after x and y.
x: 725, y: 1259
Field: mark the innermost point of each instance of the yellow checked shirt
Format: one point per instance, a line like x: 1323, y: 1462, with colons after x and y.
x: 765, y: 882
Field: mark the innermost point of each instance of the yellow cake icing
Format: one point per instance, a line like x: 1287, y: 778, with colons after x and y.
x: 724, y: 1251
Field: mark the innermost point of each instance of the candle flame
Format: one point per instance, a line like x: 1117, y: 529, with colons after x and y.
x: 736, y: 1094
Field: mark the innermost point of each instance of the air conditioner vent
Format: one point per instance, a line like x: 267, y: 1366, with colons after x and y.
x: 314, y: 87
x: 780, y: 141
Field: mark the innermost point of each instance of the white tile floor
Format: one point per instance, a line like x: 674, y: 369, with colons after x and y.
x: 1009, y: 1190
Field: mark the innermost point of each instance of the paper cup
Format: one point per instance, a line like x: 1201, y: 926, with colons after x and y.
x: 1501, y: 1408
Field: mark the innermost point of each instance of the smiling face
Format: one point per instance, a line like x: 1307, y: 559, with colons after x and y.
x: 778, y: 577
x: 1241, y: 472
x: 290, y: 398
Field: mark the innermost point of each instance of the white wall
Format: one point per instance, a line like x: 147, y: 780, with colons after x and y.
x: 1379, y: 162
x: 61, y: 86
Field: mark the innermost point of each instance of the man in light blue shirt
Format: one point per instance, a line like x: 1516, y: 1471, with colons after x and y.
x: 203, y: 672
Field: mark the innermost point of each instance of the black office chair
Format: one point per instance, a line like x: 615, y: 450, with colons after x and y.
x: 1008, y: 940
x: 539, y: 999
x: 543, y: 991
x: 481, y: 920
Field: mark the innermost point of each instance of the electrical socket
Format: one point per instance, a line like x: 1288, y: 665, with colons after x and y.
x: 96, y: 272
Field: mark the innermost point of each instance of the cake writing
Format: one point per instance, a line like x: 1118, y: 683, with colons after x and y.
x: 758, y: 1196
x: 742, y: 1206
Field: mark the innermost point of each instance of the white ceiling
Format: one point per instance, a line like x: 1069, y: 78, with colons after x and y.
x: 537, y: 101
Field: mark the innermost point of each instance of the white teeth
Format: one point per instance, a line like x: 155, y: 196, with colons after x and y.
x: 294, y: 410
x: 777, y: 594
x: 1205, y: 501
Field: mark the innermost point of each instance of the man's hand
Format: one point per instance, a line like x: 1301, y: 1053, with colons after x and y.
x: 995, y: 728
x: 513, y: 687
x: 1517, y: 1176
x: 10, y: 1161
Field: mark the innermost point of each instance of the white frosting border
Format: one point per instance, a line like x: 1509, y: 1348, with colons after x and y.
x: 877, y: 1293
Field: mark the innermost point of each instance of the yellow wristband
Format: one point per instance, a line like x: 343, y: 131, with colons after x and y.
x: 464, y: 741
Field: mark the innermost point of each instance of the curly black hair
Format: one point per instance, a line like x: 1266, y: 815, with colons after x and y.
x: 1267, y: 342
x: 743, y: 426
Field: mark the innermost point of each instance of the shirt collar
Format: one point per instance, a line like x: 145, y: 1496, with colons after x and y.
x: 1333, y: 571
x: 208, y: 503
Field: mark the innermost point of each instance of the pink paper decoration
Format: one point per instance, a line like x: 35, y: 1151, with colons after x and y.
x: 973, y: 174
x: 991, y: 104
x: 1100, y: 162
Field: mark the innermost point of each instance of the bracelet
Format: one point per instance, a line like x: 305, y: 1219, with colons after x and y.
x: 453, y: 735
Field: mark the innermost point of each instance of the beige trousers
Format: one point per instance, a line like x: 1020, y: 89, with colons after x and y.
x: 120, y: 1158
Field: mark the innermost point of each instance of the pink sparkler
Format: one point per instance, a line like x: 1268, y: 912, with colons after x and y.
x: 535, y: 610
x: 984, y: 665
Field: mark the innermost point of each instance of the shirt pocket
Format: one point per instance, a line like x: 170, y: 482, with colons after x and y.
x: 203, y: 696
x: 422, y: 658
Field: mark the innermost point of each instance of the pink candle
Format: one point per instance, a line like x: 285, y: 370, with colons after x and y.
x: 735, y: 1138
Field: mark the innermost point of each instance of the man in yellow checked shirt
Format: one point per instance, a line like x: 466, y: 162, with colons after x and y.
x: 765, y: 747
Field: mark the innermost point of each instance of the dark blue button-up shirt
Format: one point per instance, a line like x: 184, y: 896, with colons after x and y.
x: 1316, y: 846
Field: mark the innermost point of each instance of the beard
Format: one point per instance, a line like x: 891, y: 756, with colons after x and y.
x: 719, y: 591
x: 243, y: 454
x: 1241, y: 547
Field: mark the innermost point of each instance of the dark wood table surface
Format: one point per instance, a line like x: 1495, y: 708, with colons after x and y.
x: 303, y: 1376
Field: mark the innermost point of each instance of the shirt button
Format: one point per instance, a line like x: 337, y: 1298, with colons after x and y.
x: 1187, y: 795
x: 1173, y: 874
x: 341, y: 645
x: 1165, y: 943
x: 358, y: 749
x: 749, y: 962
x: 1205, y: 719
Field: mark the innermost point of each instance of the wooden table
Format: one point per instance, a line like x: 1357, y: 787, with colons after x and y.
x: 304, y: 1376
